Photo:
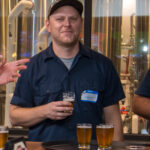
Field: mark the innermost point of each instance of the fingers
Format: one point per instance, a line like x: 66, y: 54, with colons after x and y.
x: 19, y: 64
x: 22, y: 61
x: 15, y: 75
x: 9, y: 72
x: 12, y: 79
x: 64, y: 110
x: 61, y: 115
x: 60, y: 110
x: 63, y: 103
x: 23, y: 67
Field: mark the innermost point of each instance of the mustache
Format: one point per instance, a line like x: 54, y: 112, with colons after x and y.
x: 66, y: 31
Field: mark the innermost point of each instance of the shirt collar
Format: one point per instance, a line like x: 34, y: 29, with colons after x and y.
x: 49, y: 53
x: 83, y: 51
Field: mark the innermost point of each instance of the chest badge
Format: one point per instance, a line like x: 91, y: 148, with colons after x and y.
x: 89, y: 96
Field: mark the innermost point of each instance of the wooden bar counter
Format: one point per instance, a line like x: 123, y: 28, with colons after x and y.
x: 116, y: 146
x: 34, y: 146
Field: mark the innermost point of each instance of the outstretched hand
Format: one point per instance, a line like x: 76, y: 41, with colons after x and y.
x: 9, y: 71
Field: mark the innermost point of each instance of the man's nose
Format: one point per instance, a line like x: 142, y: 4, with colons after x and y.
x: 67, y: 22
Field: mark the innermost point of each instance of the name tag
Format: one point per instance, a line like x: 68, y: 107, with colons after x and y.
x: 89, y: 96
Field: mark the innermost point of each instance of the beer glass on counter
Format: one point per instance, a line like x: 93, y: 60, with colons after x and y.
x: 3, y: 136
x: 135, y: 147
x: 84, y: 134
x: 70, y: 97
x: 104, y: 134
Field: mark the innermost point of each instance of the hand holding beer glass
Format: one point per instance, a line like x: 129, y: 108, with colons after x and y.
x: 3, y: 136
x: 84, y: 134
x: 70, y: 97
x: 104, y: 134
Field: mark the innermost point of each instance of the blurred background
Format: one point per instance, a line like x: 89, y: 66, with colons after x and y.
x: 119, y: 29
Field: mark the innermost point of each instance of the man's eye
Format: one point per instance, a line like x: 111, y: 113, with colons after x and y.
x: 59, y: 19
x: 73, y: 18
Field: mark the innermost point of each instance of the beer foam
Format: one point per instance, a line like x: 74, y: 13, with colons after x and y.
x: 105, y: 126
x: 69, y: 99
x: 80, y: 126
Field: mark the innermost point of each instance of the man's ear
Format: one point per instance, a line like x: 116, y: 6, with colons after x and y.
x: 47, y: 25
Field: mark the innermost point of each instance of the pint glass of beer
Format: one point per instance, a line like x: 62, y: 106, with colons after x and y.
x: 3, y: 136
x: 84, y: 134
x: 104, y: 134
x: 70, y: 97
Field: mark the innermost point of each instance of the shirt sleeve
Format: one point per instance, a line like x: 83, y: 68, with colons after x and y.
x: 144, y: 87
x: 23, y: 92
x: 113, y: 91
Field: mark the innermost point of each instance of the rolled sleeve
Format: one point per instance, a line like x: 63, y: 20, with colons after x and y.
x: 20, y: 102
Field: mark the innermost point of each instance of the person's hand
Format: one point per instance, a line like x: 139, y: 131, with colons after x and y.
x: 9, y: 71
x: 59, y: 110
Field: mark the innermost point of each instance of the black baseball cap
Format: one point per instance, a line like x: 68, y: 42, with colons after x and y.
x: 59, y: 3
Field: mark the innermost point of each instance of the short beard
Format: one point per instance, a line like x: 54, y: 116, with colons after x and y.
x: 73, y: 43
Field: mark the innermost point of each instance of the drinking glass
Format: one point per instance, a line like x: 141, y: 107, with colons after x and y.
x: 3, y: 136
x: 84, y: 134
x: 70, y: 97
x: 135, y: 147
x: 104, y: 134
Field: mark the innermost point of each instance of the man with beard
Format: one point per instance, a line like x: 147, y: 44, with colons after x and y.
x: 66, y: 65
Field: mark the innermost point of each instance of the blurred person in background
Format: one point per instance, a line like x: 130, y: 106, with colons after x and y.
x: 141, y: 99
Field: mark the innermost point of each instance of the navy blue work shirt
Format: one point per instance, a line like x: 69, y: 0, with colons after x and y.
x: 47, y: 77
x: 144, y: 87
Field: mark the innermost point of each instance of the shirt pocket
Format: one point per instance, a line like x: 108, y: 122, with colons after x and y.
x: 90, y: 111
x: 48, y: 94
x: 87, y: 105
x: 92, y: 86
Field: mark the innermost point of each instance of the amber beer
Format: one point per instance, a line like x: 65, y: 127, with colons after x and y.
x: 3, y: 136
x: 72, y: 103
x: 69, y: 96
x: 84, y: 133
x: 104, y: 135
